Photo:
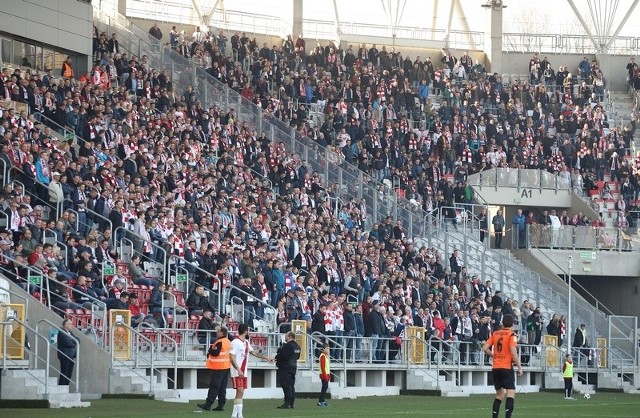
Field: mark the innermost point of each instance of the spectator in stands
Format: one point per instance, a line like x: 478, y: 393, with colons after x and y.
x: 205, y: 327
x: 137, y: 317
x: 156, y: 304
x: 122, y: 302
x: 198, y: 302
x: 138, y: 275
x: 155, y: 31
x: 519, y: 223
x: 57, y: 294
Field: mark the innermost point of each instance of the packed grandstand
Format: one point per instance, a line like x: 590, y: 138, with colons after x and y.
x: 197, y: 190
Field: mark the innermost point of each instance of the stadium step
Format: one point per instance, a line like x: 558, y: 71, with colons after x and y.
x: 169, y: 396
x: 30, y: 385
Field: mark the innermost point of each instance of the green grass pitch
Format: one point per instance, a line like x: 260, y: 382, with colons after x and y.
x: 546, y: 404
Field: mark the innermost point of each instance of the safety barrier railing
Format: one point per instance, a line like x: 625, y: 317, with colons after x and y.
x: 76, y: 360
x: 165, y: 343
x: 140, y: 361
x: 315, y: 341
x: 593, y: 238
x: 519, y: 179
x: 220, y: 293
x: 34, y: 355
x: 35, y: 198
x: 33, y: 282
x: 126, y: 239
x: 565, y: 44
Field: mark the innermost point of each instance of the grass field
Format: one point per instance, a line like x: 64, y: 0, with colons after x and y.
x: 602, y: 405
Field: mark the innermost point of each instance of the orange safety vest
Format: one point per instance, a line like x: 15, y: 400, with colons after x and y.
x: 222, y: 361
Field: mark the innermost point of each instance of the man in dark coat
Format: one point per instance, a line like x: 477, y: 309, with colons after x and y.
x: 287, y: 363
x: 67, y: 350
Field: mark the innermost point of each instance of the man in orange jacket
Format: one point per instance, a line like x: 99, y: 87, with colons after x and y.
x: 219, y: 361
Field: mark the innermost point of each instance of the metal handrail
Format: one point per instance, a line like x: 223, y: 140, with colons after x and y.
x: 5, y: 172
x: 34, y: 353
x: 19, y: 296
x: 30, y: 269
x: 53, y: 124
x: 508, y: 270
x: 91, y: 212
x: 133, y: 249
x: 37, y: 182
x: 241, y: 304
x: 172, y: 360
x: 96, y: 306
x: 136, y: 369
x: 76, y: 360
x: 321, y: 338
x: 599, y: 305
x: 229, y: 286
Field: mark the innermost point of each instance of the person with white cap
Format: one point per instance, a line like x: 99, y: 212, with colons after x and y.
x: 56, y: 194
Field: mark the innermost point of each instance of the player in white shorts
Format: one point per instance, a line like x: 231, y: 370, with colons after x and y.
x: 240, y: 349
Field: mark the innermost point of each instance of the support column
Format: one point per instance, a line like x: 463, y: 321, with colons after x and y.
x: 493, y: 39
x: 190, y: 378
x: 297, y: 19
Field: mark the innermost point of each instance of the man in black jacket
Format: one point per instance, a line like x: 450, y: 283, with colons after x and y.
x: 67, y: 347
x: 349, y: 329
x: 287, y: 363
x: 197, y: 302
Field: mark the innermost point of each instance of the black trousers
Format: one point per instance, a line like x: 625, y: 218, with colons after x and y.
x: 218, y: 387
x: 498, y: 239
x: 323, y: 390
x: 66, y: 371
x: 568, y: 387
x: 287, y: 380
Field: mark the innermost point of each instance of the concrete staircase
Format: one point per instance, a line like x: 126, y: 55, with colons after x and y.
x: 554, y: 380
x: 29, y: 385
x: 612, y: 380
x: 427, y: 379
x: 137, y: 382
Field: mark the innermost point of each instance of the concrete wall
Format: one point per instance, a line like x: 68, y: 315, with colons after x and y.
x: 524, y: 197
x: 607, y: 263
x: 94, y: 362
x: 63, y: 23
x: 613, y: 278
x: 620, y: 294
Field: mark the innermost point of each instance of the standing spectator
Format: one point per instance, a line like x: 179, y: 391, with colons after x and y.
x: 174, y: 37
x: 67, y: 69
x: 519, y: 222
x: 579, y: 342
x: 498, y: 227
x: 67, y: 351
x: 219, y: 361
x: 287, y: 363
x: 113, y: 46
x: 483, y: 221
x: 155, y: 31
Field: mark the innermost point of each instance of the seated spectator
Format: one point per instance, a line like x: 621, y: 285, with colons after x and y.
x: 198, y: 302
x: 122, y: 302
x: 138, y: 275
x: 57, y: 294
x: 156, y: 304
x: 137, y: 317
x: 83, y: 293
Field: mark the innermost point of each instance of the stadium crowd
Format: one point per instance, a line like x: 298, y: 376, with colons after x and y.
x: 198, y: 183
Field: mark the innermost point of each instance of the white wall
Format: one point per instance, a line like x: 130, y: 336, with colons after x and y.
x: 62, y: 23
